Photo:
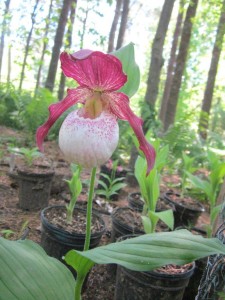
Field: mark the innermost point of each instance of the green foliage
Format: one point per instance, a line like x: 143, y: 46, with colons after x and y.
x: 187, y: 166
x: 75, y: 186
x: 29, y: 153
x: 130, y: 68
x: 146, y: 252
x: 181, y: 138
x: 210, y: 186
x: 150, y: 189
x: 7, y: 233
x: 9, y: 106
x: 36, y: 111
x: 26, y: 270
x: 113, y: 184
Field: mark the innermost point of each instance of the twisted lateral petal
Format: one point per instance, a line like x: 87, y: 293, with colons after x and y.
x: 57, y: 109
x: 119, y: 105
x: 88, y: 142
x: 96, y: 70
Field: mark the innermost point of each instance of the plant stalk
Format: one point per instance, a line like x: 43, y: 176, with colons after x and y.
x: 89, y: 209
x: 78, y: 287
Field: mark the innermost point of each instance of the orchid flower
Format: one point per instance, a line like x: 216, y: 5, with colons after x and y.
x: 90, y: 134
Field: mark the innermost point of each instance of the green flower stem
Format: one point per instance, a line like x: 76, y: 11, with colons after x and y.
x: 89, y: 209
x: 78, y: 287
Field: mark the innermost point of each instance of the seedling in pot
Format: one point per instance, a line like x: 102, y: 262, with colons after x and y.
x: 112, y: 185
x: 210, y: 186
x: 75, y: 187
x: 150, y: 190
x: 29, y: 154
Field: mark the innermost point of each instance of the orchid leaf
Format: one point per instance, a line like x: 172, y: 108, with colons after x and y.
x: 149, y: 251
x: 165, y: 216
x: 28, y: 273
x: 214, y: 213
x: 217, y: 175
x: 200, y: 184
x: 147, y: 224
x: 118, y: 186
x: 118, y: 180
x: 152, y: 187
x: 130, y: 68
x: 140, y: 174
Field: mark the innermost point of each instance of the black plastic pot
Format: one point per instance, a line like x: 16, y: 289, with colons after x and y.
x: 150, y: 285
x: 200, y: 265
x: 57, y: 242
x: 34, y: 188
x: 120, y: 226
x: 135, y: 201
x: 183, y: 213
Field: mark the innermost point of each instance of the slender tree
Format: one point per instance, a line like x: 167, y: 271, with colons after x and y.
x: 4, y: 31
x: 27, y: 48
x: 157, y: 60
x: 180, y: 64
x: 172, y: 62
x: 114, y: 26
x: 9, y: 65
x: 123, y: 23
x: 50, y: 81
x: 68, y: 44
x: 45, y: 43
x: 208, y: 94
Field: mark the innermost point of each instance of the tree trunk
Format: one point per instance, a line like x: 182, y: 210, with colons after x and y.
x: 50, y: 81
x: 69, y: 43
x: 114, y: 26
x: 208, y: 95
x: 157, y: 61
x: 180, y: 64
x: 9, y: 65
x: 4, y: 30
x: 84, y: 21
x: 45, y: 43
x: 172, y: 63
x: 27, y: 48
x: 123, y: 24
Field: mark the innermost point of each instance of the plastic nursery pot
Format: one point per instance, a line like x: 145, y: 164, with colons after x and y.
x: 135, y: 201
x: 151, y: 285
x: 57, y: 242
x: 34, y: 187
x: 125, y: 221
x: 200, y: 264
x: 185, y: 212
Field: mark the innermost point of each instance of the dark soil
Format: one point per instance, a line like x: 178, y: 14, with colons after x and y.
x: 185, y: 201
x: 57, y: 216
x: 14, y: 221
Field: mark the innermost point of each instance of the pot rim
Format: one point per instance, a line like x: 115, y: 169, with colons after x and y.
x: 166, y: 197
x: 56, y: 228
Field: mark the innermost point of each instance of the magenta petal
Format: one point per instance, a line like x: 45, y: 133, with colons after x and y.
x: 96, y: 70
x: 57, y: 109
x: 119, y: 105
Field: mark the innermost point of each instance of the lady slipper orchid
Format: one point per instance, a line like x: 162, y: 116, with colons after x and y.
x: 90, y: 134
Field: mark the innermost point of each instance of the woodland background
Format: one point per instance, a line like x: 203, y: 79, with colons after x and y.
x: 178, y: 46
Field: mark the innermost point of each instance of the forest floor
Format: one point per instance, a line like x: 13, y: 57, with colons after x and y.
x: 101, y: 281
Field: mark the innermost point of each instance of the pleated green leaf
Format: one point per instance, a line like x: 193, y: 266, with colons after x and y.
x: 150, y: 251
x: 28, y: 273
x: 127, y: 57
